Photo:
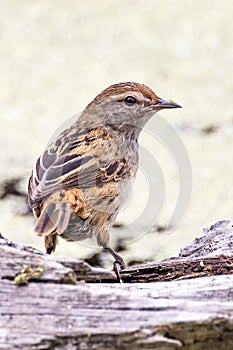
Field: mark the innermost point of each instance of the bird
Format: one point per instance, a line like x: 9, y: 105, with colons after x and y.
x: 80, y: 182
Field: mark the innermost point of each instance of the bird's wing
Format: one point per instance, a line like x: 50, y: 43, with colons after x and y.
x: 56, y: 171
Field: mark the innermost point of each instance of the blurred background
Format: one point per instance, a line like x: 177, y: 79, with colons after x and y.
x: 57, y: 55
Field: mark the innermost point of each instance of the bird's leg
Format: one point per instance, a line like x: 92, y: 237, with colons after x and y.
x: 118, y: 264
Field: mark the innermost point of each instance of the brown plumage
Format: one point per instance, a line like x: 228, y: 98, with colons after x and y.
x: 82, y: 179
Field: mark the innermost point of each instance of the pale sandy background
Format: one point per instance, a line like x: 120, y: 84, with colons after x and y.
x: 55, y: 56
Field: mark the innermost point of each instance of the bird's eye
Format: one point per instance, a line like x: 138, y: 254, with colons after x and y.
x: 129, y: 100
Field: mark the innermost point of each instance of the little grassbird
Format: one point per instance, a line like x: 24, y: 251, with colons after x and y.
x: 81, y: 181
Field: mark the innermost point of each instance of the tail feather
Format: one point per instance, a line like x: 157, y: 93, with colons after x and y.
x: 50, y: 243
x: 54, y: 218
x: 64, y: 218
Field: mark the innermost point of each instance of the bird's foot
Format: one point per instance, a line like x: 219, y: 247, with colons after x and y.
x: 118, y: 264
x: 117, y: 267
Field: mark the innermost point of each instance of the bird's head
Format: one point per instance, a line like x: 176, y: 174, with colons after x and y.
x: 126, y: 104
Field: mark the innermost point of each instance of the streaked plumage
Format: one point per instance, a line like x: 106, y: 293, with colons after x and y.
x: 82, y: 179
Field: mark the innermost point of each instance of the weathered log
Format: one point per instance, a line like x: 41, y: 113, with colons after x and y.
x: 45, y: 303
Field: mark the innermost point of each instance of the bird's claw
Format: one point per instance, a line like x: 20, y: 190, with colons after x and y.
x: 119, y: 265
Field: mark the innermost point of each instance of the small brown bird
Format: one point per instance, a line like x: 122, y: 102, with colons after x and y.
x: 82, y: 179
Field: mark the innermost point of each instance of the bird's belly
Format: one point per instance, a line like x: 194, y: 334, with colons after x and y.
x: 109, y: 198
x: 78, y: 229
x: 102, y: 205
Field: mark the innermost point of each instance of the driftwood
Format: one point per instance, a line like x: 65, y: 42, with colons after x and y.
x: 53, y: 303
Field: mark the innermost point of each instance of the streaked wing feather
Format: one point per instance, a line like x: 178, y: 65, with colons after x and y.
x: 57, y: 176
x: 54, y: 172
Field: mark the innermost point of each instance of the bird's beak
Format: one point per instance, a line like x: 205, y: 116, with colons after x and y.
x: 161, y: 104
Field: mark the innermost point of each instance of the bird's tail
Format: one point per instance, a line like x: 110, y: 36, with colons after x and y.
x: 54, y: 218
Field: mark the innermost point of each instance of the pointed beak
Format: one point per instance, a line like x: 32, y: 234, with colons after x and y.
x: 161, y: 104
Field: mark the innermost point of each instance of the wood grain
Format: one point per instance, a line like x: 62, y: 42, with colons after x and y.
x: 65, y: 306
